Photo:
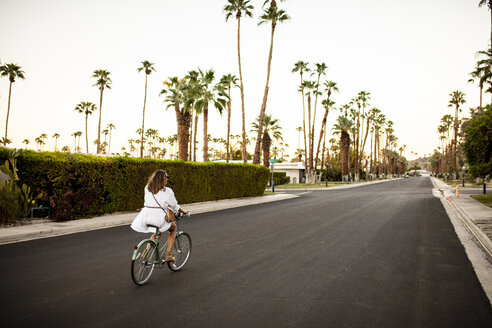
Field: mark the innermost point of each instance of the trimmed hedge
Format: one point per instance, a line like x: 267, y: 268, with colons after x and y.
x: 79, y: 186
x: 279, y: 178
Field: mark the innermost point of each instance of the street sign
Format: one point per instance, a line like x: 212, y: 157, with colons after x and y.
x: 272, y: 160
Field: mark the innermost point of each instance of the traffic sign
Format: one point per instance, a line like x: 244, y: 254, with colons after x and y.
x: 272, y: 160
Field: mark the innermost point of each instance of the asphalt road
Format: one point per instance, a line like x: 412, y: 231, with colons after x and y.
x: 383, y: 255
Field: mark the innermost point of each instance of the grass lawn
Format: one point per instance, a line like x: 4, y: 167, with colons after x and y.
x: 454, y: 183
x: 484, y: 199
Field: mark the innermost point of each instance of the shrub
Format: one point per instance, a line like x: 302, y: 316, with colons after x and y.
x: 279, y: 178
x: 78, y: 186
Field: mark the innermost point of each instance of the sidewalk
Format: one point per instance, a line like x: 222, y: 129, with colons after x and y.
x: 51, y: 229
x: 476, y: 216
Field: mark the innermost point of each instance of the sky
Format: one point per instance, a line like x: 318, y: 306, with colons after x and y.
x: 409, y: 55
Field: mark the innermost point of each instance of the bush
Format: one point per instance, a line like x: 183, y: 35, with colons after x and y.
x: 78, y: 186
x: 279, y: 178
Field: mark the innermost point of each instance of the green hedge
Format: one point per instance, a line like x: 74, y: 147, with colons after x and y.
x: 81, y: 185
x: 279, y: 178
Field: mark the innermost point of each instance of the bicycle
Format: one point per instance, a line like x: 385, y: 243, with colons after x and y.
x: 149, y: 255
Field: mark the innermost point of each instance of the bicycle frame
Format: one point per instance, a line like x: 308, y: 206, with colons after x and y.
x: 162, y: 250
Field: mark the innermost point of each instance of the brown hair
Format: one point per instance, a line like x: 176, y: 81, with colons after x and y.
x: 157, y: 181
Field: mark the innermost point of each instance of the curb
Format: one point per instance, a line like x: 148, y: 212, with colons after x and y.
x: 53, y: 229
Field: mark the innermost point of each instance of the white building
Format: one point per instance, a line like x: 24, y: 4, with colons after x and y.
x: 295, y: 171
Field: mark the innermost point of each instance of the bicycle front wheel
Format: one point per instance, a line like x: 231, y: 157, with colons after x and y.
x: 144, y: 262
x: 181, y: 251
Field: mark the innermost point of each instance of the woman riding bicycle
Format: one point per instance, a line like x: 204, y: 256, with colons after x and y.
x: 158, y: 211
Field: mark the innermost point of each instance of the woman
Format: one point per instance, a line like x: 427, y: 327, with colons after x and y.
x: 159, y: 208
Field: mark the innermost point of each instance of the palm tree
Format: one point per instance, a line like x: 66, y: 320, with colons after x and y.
x: 342, y: 127
x: 309, y: 87
x: 457, y: 99
x: 478, y: 74
x: 330, y: 87
x: 176, y: 90
x: 209, y: 93
x: 25, y: 141
x: 237, y: 8
x: 13, y: 71
x: 110, y: 127
x: 489, y: 5
x: 361, y: 100
x: 484, y: 69
x: 78, y: 134
x: 228, y: 81
x: 86, y: 108
x: 56, y: 136
x: 148, y: 68
x: 103, y: 81
x: 302, y: 67
x: 273, y: 15
x: 320, y: 70
x: 327, y: 104
x: 270, y: 127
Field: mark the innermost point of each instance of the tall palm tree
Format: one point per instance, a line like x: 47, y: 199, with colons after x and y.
x: 302, y: 67
x: 309, y: 87
x: 175, y: 90
x: 484, y: 69
x: 13, y: 71
x: 271, y: 128
x: 237, y: 8
x: 489, y: 5
x: 228, y: 81
x: 457, y: 99
x: 209, y: 93
x: 320, y: 70
x: 362, y: 101
x: 327, y: 103
x: 56, y: 136
x: 86, y: 108
x: 103, y: 81
x: 110, y: 127
x: 274, y: 15
x: 342, y: 127
x: 148, y: 68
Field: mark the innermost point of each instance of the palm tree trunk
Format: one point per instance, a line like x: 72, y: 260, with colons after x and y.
x: 143, y: 119
x: 356, y: 141
x: 345, y: 149
x: 205, y: 132
x: 183, y: 121
x: 109, y: 145
x: 190, y: 151
x: 241, y: 87
x: 194, y: 138
x: 99, y: 126
x: 323, y: 124
x: 8, y: 112
x: 323, y: 154
x: 256, y: 157
x: 364, y: 143
x: 229, y: 105
x: 86, y: 136
x: 455, y: 143
x: 266, y: 143
x: 304, y: 125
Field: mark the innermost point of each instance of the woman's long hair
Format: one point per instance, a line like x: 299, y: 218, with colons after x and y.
x: 157, y: 181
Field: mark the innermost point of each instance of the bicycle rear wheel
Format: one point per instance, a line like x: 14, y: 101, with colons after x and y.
x: 181, y: 251
x: 144, y: 262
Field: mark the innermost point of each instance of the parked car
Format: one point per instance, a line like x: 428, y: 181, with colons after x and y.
x: 406, y: 176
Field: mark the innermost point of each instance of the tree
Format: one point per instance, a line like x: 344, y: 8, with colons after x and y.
x: 209, y: 93
x: 489, y: 5
x: 362, y: 101
x: 477, y: 143
x: 274, y: 15
x: 228, y: 81
x: 86, y: 108
x: 103, y: 81
x: 26, y: 142
x: 237, y: 8
x: 148, y: 68
x: 457, y: 99
x: 302, y: 67
x: 56, y: 136
x: 342, y: 127
x: 271, y: 128
x: 13, y: 71
x: 176, y: 95
x: 320, y: 70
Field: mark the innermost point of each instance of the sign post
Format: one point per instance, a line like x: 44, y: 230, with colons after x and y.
x: 272, y: 161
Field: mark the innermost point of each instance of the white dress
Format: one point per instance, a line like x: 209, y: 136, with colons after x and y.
x: 153, y: 214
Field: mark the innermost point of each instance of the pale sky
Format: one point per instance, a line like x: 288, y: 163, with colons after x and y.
x: 410, y: 55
